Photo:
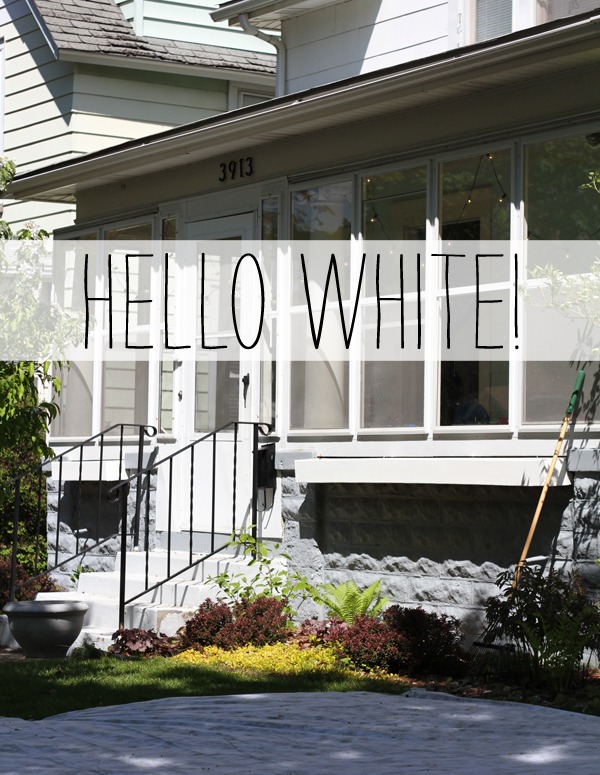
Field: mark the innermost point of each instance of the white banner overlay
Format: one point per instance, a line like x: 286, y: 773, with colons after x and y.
x: 300, y: 301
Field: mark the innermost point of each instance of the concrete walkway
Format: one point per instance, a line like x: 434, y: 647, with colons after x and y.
x: 358, y: 733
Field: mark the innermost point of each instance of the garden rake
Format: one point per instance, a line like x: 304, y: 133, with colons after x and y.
x: 488, y: 651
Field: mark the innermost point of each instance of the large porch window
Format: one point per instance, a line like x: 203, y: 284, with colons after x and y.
x: 479, y: 197
x: 475, y: 198
x: 320, y: 390
x: 558, y: 208
x: 393, y: 207
x: 101, y: 393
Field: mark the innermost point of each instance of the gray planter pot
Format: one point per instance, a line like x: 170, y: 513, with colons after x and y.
x: 45, y: 628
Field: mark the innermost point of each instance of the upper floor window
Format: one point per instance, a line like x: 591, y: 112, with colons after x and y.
x: 550, y: 10
x: 489, y: 19
x: 493, y: 18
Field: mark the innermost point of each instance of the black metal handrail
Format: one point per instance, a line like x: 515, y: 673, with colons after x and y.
x: 120, y: 492
x: 40, y: 471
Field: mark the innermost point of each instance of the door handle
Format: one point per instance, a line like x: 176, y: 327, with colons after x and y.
x: 246, y: 384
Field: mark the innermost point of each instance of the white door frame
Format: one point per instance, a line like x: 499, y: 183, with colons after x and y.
x: 241, y: 226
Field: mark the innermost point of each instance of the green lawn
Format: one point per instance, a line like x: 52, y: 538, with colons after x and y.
x: 34, y: 689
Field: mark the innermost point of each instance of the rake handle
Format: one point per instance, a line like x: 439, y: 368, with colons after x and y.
x: 540, y: 505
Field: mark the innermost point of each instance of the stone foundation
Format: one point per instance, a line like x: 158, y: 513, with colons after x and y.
x: 81, y: 525
x: 438, y: 546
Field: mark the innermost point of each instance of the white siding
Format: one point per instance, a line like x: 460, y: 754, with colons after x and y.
x: 112, y: 105
x: 361, y: 36
x: 188, y: 20
x: 48, y: 215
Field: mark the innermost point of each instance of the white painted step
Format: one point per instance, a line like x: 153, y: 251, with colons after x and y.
x: 165, y: 609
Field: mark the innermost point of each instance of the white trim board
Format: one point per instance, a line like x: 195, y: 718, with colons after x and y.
x: 527, y: 472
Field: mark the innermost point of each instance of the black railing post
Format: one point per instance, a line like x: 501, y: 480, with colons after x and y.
x: 58, y: 509
x: 15, y: 544
x: 234, y: 489
x: 255, y: 482
x: 123, y: 493
x: 38, y: 522
x: 213, y: 496
x: 138, y: 495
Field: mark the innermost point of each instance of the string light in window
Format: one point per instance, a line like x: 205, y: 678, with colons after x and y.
x: 469, y: 200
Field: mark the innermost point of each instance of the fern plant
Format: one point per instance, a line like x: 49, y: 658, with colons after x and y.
x: 347, y: 601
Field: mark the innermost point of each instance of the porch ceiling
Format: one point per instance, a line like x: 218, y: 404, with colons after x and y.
x: 434, y: 80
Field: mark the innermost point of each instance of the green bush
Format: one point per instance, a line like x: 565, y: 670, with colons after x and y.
x: 548, y: 621
x: 347, y: 601
x: 31, y: 497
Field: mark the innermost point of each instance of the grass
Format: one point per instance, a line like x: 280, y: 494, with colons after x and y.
x: 38, y: 688
x: 35, y: 689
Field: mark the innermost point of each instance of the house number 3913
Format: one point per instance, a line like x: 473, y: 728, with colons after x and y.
x: 236, y: 168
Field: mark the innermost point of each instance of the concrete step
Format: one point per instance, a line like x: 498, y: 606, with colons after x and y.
x: 102, y: 613
x: 165, y: 609
x: 160, y: 618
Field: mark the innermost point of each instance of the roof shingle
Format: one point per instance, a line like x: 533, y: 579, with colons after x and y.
x: 98, y: 26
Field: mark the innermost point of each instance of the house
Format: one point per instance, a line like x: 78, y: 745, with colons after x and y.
x: 423, y: 121
x: 80, y: 76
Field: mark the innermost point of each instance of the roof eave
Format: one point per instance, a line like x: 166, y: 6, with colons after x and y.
x: 426, y: 76
x: 159, y: 65
x: 230, y: 11
x: 39, y: 19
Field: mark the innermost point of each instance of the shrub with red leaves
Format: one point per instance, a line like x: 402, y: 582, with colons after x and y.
x: 141, y: 643
x: 206, y: 625
x: 314, y: 631
x: 27, y: 587
x: 259, y: 622
x: 433, y: 640
x: 369, y: 643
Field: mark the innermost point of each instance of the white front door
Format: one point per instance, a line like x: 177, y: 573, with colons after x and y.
x: 217, y: 392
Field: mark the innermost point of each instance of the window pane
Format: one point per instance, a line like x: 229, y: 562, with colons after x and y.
x: 137, y: 231
x: 322, y: 212
x: 393, y: 208
x: 393, y: 205
x: 492, y: 19
x: 555, y: 205
x: 319, y: 394
x: 166, y: 397
x: 475, y: 197
x: 557, y: 208
x: 217, y: 394
x: 392, y: 394
x: 475, y: 204
x: 549, y: 10
x: 319, y: 391
x: 473, y: 393
x: 75, y: 401
x: 125, y: 393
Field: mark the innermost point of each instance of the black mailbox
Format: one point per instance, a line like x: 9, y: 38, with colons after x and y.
x: 266, y: 466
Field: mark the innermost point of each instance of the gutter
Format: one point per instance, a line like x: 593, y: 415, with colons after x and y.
x: 415, y: 75
x: 228, y: 10
x: 272, y: 40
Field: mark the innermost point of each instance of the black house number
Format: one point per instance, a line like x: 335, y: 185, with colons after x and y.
x: 236, y: 168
